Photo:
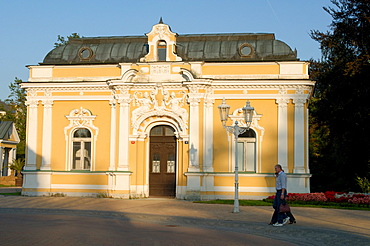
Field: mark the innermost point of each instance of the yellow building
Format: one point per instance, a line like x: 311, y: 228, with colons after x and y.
x: 8, y: 148
x: 137, y: 116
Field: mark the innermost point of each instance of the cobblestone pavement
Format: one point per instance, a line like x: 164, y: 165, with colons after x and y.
x: 99, y: 221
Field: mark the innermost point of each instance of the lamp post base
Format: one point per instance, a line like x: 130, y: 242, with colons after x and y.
x: 236, y: 206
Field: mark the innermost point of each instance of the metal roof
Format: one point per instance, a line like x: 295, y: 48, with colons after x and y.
x: 6, y: 128
x: 190, y: 47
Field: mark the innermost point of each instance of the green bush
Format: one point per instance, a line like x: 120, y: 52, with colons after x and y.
x: 364, y: 184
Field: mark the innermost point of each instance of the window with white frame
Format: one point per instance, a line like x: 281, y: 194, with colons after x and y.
x: 247, y: 151
x: 81, y: 149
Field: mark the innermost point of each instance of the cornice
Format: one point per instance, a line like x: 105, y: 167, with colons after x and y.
x: 49, y: 89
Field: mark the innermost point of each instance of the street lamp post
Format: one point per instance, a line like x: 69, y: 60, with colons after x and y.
x: 236, y: 130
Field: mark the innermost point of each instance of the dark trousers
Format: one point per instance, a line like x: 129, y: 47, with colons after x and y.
x: 274, y: 218
x: 276, y: 205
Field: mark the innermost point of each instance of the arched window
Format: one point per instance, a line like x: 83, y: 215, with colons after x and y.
x: 162, y: 50
x: 81, y: 145
x: 162, y: 131
x: 247, y: 151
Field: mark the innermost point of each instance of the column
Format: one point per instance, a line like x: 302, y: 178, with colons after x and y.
x: 2, y: 151
x: 46, y: 135
x: 208, y: 135
x: 194, y: 134
x: 31, y: 134
x: 299, y: 134
x: 283, y: 132
x: 124, y: 131
x: 113, y: 127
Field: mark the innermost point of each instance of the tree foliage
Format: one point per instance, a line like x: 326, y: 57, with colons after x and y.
x: 339, y: 110
x: 16, y: 111
x: 64, y: 41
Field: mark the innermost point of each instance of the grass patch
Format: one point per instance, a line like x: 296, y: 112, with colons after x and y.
x: 11, y: 194
x: 331, y: 205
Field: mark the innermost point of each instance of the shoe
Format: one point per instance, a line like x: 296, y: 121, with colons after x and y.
x: 286, y: 220
x: 292, y: 222
x: 271, y: 223
x: 277, y: 224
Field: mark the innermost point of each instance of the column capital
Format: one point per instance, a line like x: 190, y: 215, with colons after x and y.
x: 32, y: 103
x: 282, y: 102
x: 208, y: 103
x: 299, y: 102
x: 124, y: 101
x: 47, y: 102
x: 194, y: 101
x: 113, y: 102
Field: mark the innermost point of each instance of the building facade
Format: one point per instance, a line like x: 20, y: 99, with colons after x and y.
x: 137, y: 116
x: 8, y: 143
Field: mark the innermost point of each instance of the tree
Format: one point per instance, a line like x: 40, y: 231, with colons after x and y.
x: 16, y: 111
x: 339, y: 110
x: 63, y: 41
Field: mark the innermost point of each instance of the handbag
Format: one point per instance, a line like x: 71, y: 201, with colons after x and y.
x: 284, y: 208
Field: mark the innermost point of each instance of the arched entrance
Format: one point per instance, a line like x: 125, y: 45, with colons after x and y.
x: 162, y: 162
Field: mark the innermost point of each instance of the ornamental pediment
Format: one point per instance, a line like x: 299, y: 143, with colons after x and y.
x: 162, y: 44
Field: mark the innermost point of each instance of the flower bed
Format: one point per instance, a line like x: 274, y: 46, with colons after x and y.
x: 328, y: 197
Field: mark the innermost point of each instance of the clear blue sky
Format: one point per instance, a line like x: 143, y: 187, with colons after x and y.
x: 29, y: 29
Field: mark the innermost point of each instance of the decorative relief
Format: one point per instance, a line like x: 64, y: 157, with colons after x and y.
x: 208, y: 102
x: 194, y: 94
x: 193, y: 101
x: 176, y: 103
x: 124, y: 101
x: 282, y: 90
x: 282, y: 102
x: 194, y: 89
x: 113, y: 102
x: 159, y: 69
x: 124, y: 90
x: 32, y: 103
x: 299, y: 90
x: 47, y: 102
x: 80, y: 118
x: 299, y: 103
x: 47, y: 93
x: 162, y: 31
x: 31, y: 92
x: 150, y: 104
x: 249, y: 86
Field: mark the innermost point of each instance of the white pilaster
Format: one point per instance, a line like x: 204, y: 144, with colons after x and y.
x: 124, y: 131
x: 283, y: 132
x: 46, y: 134
x: 307, y: 145
x: 208, y: 135
x: 299, y: 134
x: 113, y: 127
x: 31, y: 134
x: 194, y: 134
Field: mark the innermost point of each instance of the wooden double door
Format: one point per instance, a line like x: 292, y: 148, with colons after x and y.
x: 162, y: 163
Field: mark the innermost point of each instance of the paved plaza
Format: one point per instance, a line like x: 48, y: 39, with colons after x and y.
x: 102, y: 221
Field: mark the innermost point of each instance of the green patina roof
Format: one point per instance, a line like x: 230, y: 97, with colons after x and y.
x: 190, y: 47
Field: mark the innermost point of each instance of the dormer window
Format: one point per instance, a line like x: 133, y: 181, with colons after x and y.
x: 161, y: 43
x: 162, y: 50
